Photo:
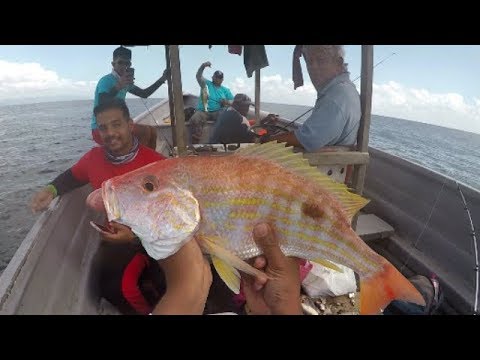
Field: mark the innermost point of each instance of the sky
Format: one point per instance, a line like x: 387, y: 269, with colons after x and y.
x: 435, y: 84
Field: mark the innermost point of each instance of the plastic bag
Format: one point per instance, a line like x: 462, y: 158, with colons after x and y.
x: 322, y: 281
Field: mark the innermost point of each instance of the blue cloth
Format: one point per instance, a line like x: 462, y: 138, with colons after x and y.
x: 335, y: 118
x: 215, y: 94
x: 105, y: 84
x: 398, y: 307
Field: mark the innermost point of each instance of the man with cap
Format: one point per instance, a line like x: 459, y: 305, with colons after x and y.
x: 232, y: 125
x: 218, y: 97
x: 116, y: 85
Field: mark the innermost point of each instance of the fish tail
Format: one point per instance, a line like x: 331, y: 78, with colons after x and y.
x: 377, y: 291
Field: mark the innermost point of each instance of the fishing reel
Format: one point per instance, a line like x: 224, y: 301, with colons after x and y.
x: 269, y: 126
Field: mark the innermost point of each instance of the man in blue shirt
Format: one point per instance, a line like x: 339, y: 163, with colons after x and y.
x: 116, y: 85
x: 335, y: 119
x: 213, y: 97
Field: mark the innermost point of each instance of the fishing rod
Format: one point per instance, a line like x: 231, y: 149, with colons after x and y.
x: 306, y: 112
x: 475, y: 247
x: 472, y: 234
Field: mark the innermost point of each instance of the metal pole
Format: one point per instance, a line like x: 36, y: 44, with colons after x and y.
x: 257, y: 97
x: 178, y: 106
x: 170, y: 95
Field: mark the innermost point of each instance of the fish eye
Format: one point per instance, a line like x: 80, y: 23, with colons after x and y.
x: 150, y: 183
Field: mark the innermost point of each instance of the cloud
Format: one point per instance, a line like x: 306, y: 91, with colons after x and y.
x: 19, y: 81
x: 276, y: 89
x: 390, y: 99
x: 448, y: 109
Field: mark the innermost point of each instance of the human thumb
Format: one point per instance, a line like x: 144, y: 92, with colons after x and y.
x: 268, y: 243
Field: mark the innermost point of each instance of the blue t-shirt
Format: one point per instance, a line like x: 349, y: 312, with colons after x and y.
x: 105, y: 84
x: 215, y: 94
x: 335, y: 118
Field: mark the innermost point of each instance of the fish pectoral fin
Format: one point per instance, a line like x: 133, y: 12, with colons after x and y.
x: 227, y: 273
x: 210, y: 246
x: 327, y: 264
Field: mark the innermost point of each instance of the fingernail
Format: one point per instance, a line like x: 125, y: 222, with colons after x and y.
x: 260, y: 230
x: 258, y: 286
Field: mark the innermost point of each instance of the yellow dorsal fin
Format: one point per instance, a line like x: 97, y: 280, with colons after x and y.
x: 327, y: 264
x: 285, y: 157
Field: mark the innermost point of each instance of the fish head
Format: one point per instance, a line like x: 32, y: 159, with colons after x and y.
x: 163, y: 214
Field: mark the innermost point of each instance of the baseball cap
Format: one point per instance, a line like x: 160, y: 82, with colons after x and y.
x: 218, y: 74
x: 242, y: 99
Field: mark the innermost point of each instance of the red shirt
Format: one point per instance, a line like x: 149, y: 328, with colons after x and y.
x: 130, y: 289
x: 94, y: 168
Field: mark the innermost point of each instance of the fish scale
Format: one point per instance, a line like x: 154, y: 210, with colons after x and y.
x: 219, y: 200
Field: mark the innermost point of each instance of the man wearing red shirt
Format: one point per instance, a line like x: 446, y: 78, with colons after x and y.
x: 120, y: 154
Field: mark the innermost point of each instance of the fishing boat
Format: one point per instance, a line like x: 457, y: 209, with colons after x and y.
x: 418, y: 219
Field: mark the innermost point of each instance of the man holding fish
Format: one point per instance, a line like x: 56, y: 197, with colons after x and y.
x: 213, y: 97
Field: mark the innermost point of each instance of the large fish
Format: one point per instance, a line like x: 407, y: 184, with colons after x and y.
x: 204, y: 97
x: 218, y: 200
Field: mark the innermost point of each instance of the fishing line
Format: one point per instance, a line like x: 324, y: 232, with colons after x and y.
x: 475, y: 247
x: 425, y: 224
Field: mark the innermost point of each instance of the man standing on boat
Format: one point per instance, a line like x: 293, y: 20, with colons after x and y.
x: 116, y: 85
x: 335, y: 119
x: 213, y: 97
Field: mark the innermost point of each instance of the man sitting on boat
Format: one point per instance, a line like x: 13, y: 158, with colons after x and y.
x: 213, y: 97
x: 335, y: 119
x: 121, y: 153
x: 232, y: 125
x: 116, y: 85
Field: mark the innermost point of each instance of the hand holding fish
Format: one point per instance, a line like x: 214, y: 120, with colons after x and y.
x: 280, y: 295
x: 120, y: 234
x: 218, y: 201
x: 41, y: 200
x: 189, y: 277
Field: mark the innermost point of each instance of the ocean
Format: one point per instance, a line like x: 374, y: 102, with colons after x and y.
x: 39, y: 141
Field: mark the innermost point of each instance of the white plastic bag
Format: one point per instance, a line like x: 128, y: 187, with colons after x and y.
x: 322, y: 281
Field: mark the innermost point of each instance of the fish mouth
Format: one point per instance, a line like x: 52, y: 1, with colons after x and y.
x: 110, y: 201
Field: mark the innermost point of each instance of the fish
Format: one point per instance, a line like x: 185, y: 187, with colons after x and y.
x: 204, y: 97
x: 218, y: 200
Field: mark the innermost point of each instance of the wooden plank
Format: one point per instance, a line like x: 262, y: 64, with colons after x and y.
x: 360, y: 171
x: 257, y: 96
x: 366, y: 103
x: 180, y: 130
x: 371, y: 227
x: 170, y: 95
x: 337, y: 158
